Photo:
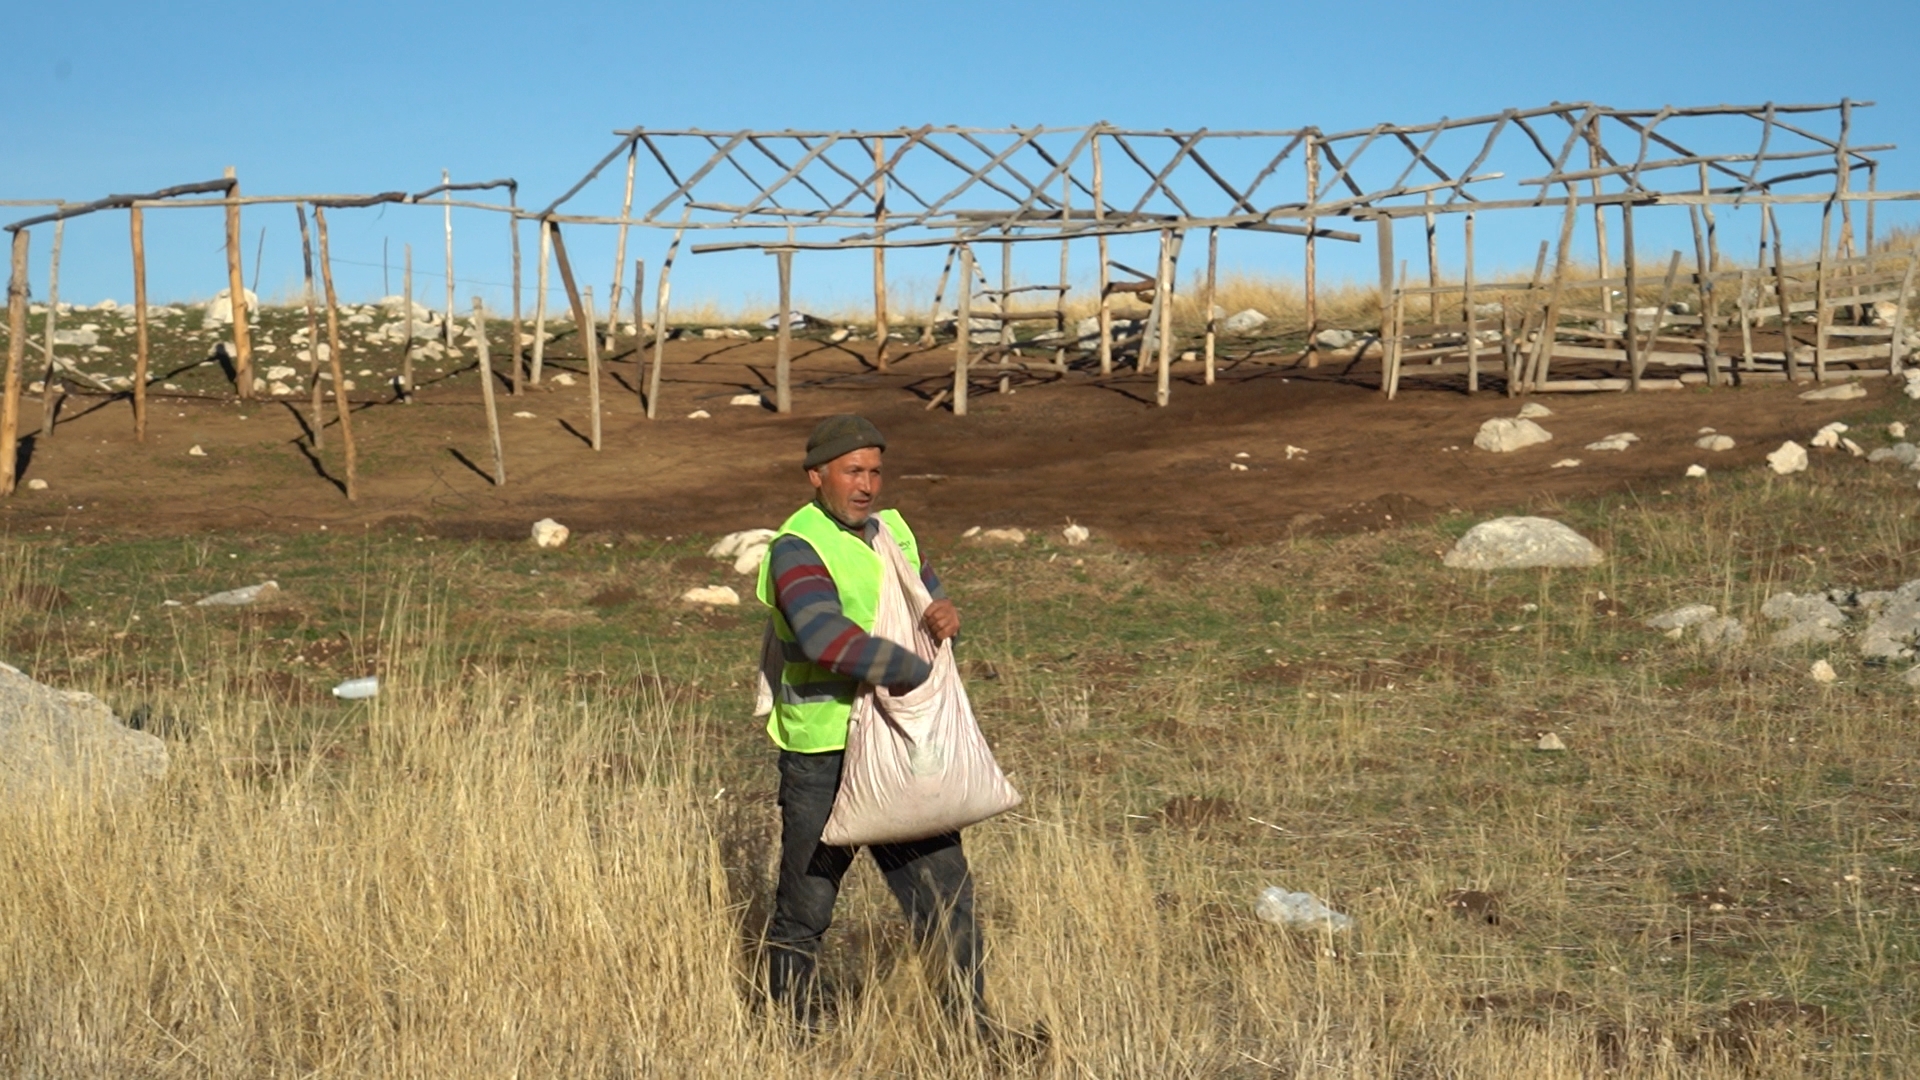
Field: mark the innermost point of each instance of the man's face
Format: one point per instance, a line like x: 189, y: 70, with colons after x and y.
x: 849, y: 485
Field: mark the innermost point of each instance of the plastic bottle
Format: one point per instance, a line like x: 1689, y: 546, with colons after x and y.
x: 355, y: 689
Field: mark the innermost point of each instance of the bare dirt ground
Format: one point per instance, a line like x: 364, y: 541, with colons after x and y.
x: 1060, y: 447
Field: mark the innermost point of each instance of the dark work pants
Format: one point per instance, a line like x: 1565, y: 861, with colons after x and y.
x: 928, y: 877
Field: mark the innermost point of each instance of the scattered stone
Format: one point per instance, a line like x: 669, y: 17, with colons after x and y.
x: 195, y: 451
x: 1912, y: 677
x: 970, y: 533
x: 1087, y: 327
x: 1810, y: 617
x: 54, y: 741
x: 1846, y: 391
x: 1076, y: 535
x: 1618, y: 441
x: 279, y: 389
x: 1852, y: 447
x: 1550, y: 742
x: 563, y: 379
x: 80, y: 336
x: 1912, y: 389
x: 1334, y: 339
x: 1234, y: 466
x: 548, y: 533
x: 1533, y: 410
x: 1822, y: 672
x: 839, y: 335
x: 1724, y: 631
x: 1513, y: 543
x: 1682, y: 617
x: 1897, y: 430
x: 1502, y: 435
x: 1904, y: 453
x: 523, y: 415
x: 1790, y: 458
x: 241, y: 597
x: 1695, y: 472
x: 716, y: 595
x: 1893, y: 628
x: 1566, y: 463
x: 281, y: 371
x: 1829, y: 437
x: 219, y: 310
x: 997, y: 536
x: 699, y: 414
x: 36, y: 484
x: 1240, y: 322
x: 1295, y: 451
x: 746, y: 548
x: 744, y: 399
x: 713, y: 334
x: 1715, y: 443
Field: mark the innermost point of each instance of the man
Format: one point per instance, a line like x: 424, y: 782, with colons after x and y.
x: 822, y: 579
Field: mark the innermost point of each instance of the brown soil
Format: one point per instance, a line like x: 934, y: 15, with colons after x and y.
x: 1059, y: 448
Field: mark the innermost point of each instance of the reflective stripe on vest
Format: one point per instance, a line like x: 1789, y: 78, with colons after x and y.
x: 811, y: 708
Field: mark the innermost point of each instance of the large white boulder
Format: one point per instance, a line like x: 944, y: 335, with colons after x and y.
x: 1846, y: 391
x: 219, y: 310
x: 1515, y: 543
x: 1502, y: 434
x: 1334, y: 339
x: 1790, y: 458
x: 548, y: 533
x: 745, y: 548
x: 59, y: 740
x: 1243, y: 322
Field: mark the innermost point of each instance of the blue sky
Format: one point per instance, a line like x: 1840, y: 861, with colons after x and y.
x: 359, y: 97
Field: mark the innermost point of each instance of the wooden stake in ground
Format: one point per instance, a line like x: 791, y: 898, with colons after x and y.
x: 639, y: 329
x: 939, y: 294
x: 447, y: 198
x: 1790, y: 354
x: 313, y: 335
x: 660, y: 321
x: 1006, y: 294
x: 963, y: 332
x: 406, y: 349
x: 1660, y: 309
x: 1105, y: 313
x: 1163, y: 299
x: 136, y: 227
x: 1600, y: 219
x: 1631, y: 337
x: 484, y: 366
x: 565, y: 266
x: 1060, y: 297
x: 1213, y: 259
x: 879, y: 254
x: 1471, y: 317
x: 591, y: 341
x: 16, y: 358
x: 540, y: 306
x: 236, y: 290
x: 1433, y: 266
x: 1311, y: 290
x: 620, y: 248
x: 1392, y: 334
x: 1897, y: 349
x: 1383, y: 229
x: 513, y: 231
x: 1709, y: 302
x: 340, y: 402
x: 783, y: 335
x: 49, y: 407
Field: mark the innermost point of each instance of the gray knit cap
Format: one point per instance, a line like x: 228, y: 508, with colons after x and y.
x: 837, y: 435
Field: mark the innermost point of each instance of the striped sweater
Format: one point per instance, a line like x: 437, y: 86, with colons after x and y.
x: 810, y: 602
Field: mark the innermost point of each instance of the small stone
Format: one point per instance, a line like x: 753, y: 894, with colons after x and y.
x: 716, y: 595
x: 1240, y: 322
x: 563, y: 379
x: 523, y: 415
x: 195, y: 451
x: 1513, y: 543
x: 1682, y: 617
x: 1618, y: 441
x: 1852, y: 447
x: 241, y: 597
x: 1002, y: 536
x: 839, y: 335
x: 1829, y: 437
x: 1566, y: 463
x: 699, y: 414
x: 1695, y: 472
x: 1235, y: 466
x: 1846, y: 391
x: 548, y: 533
x: 744, y: 399
x: 1715, y: 443
x: 1897, y: 430
x: 1533, y: 410
x: 1550, y: 742
x: 1822, y: 672
x: 1333, y: 339
x: 36, y: 484
x: 1790, y: 458
x: 1502, y: 435
x: 54, y: 741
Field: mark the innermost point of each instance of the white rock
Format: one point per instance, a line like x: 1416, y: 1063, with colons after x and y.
x: 1502, y: 435
x: 1087, y: 327
x: 1234, y: 466
x: 1681, y: 617
x: 1293, y: 451
x: 523, y: 415
x: 241, y: 597
x: 744, y: 399
x: 1513, y: 543
x: 1790, y: 458
x: 716, y: 595
x: 1852, y: 447
x: 1882, y: 313
x: 1533, y: 410
x: 1617, y: 441
x: 80, y: 336
x: 1897, y: 430
x: 699, y: 414
x: 1912, y: 389
x: 1829, y: 436
x: 970, y: 533
x: 1333, y: 339
x: 1695, y: 472
x: 1716, y: 443
x: 747, y: 548
x: 1075, y: 535
x: 219, y: 310
x: 1905, y: 453
x: 563, y: 379
x: 1000, y: 536
x: 36, y: 484
x: 1846, y: 391
x: 840, y: 335
x: 1240, y: 322
x: 1550, y: 742
x: 1822, y: 672
x: 281, y: 371
x: 1725, y: 630
x: 713, y: 334
x: 278, y: 388
x: 1566, y: 463
x: 195, y: 451
x: 54, y: 741
x: 548, y: 533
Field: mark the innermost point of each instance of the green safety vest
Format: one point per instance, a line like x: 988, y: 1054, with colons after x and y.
x: 812, y: 704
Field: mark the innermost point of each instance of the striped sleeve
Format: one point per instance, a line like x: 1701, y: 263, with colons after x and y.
x: 810, y: 602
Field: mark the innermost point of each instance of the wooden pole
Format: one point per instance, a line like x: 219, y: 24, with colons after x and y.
x: 236, y: 289
x: 1660, y: 309
x: 1747, y: 287
x: 136, y: 227
x: 1843, y: 179
x: 1383, y: 229
x: 1060, y: 298
x: 1709, y: 302
x: 1791, y: 358
x: 1873, y: 185
x: 660, y: 311
x: 1309, y: 287
x: 1213, y: 261
x: 341, y: 405
x: 1006, y: 294
x: 1471, y: 317
x: 1392, y: 331
x: 939, y: 294
x: 783, y: 335
x: 319, y: 422
x: 1550, y: 321
x: 963, y: 332
x: 514, y: 348
x: 1163, y: 297
x: 565, y: 266
x: 1433, y: 266
x: 447, y: 213
x: 1897, y: 350
x: 1631, y: 337
x: 1599, y: 222
x: 620, y: 249
x: 1713, y: 227
x: 484, y: 365
x: 1515, y: 363
x: 591, y: 341
x: 48, y: 406
x: 406, y: 357
x: 16, y: 359
x: 540, y: 304
x: 639, y: 329
x: 1106, y: 273
x: 879, y: 254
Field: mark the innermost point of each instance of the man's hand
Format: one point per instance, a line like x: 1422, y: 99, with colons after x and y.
x: 942, y: 620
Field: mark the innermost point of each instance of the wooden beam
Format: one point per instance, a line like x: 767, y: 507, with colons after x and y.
x: 963, y: 327
x: 783, y: 336
x: 237, y: 290
x: 135, y: 227
x: 593, y: 369
x: 16, y: 358
x: 483, y: 365
x: 318, y: 423
x: 341, y: 405
x: 48, y: 406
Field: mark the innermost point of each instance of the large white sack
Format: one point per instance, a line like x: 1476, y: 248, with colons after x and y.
x: 916, y: 763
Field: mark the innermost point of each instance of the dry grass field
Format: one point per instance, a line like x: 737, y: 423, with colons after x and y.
x: 544, y: 849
